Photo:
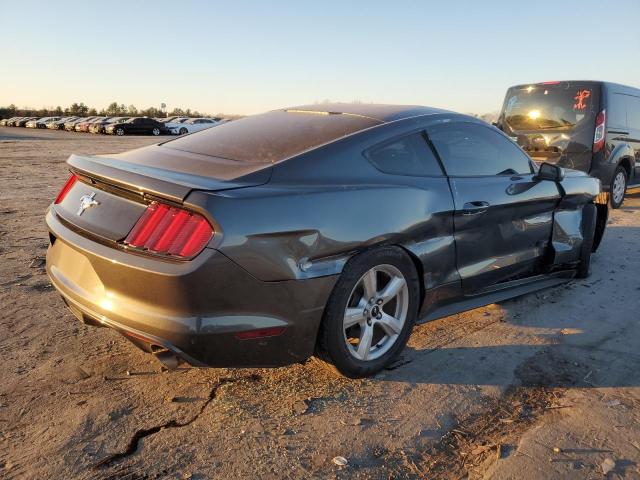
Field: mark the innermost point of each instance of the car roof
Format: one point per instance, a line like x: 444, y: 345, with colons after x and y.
x: 376, y: 111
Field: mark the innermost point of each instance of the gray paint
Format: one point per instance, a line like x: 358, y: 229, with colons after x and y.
x: 284, y: 233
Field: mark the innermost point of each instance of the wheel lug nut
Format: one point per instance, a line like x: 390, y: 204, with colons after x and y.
x: 379, y: 302
x: 379, y: 317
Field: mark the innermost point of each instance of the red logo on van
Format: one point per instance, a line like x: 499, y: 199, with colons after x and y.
x: 580, y: 97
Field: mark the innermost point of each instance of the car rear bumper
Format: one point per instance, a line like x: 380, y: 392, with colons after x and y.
x: 194, y: 309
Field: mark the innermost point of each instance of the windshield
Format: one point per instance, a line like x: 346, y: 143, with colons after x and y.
x: 559, y: 106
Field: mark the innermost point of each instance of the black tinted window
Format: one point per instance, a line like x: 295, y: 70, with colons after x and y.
x: 469, y: 149
x: 633, y: 112
x: 410, y: 155
x: 617, y: 111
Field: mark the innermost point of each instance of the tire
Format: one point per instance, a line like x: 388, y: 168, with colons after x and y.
x: 589, y: 217
x: 618, y: 187
x: 386, y: 323
x: 120, y: 131
x: 155, y: 131
x: 183, y: 131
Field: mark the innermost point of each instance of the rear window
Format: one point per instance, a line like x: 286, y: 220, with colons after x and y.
x: 271, y: 137
x: 559, y: 106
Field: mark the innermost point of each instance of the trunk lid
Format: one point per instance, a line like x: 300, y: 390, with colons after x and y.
x: 116, y: 189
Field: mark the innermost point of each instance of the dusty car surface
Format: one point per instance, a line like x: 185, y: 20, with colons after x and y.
x: 326, y: 229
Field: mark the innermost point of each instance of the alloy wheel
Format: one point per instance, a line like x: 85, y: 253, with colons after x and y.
x: 619, y: 186
x: 376, y: 312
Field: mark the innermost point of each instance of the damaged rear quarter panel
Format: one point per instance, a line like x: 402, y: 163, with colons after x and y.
x: 322, y: 207
x: 577, y: 190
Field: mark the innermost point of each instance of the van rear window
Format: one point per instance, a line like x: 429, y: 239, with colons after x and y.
x: 559, y: 106
x: 273, y: 136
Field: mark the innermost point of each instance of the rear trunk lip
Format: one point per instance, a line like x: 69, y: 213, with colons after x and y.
x: 175, y: 186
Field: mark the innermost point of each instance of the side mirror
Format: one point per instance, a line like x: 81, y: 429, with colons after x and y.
x: 551, y: 172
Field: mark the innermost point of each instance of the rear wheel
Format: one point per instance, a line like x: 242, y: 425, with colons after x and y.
x: 370, y: 312
x: 618, y: 187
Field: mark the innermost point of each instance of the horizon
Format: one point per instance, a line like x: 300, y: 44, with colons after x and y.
x: 260, y: 57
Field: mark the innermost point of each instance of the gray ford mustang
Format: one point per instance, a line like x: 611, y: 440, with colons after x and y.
x: 326, y: 229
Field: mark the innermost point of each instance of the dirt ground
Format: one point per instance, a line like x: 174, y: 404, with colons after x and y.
x: 544, y: 386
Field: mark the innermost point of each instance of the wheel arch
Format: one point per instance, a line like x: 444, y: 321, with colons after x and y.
x: 626, y: 163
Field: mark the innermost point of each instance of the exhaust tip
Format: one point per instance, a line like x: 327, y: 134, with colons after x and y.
x: 168, y: 359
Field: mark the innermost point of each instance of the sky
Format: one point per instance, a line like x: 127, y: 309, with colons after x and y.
x: 246, y: 57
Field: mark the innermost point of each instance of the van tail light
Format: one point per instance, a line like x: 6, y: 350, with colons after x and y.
x: 598, y: 136
x: 71, y: 181
x: 171, y: 231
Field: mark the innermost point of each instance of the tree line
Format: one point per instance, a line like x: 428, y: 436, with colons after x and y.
x: 113, y: 110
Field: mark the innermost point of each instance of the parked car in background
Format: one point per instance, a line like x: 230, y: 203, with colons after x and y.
x: 59, y: 124
x: 137, y: 126
x: 167, y: 119
x: 84, y: 125
x: 176, y: 122
x: 588, y: 126
x: 193, y: 125
x: 100, y: 125
x: 87, y: 127
x: 5, y: 122
x: 70, y: 126
x: 42, y: 122
x: 266, y: 239
x: 23, y: 121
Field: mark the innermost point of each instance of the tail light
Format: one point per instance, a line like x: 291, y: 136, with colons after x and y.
x: 598, y: 137
x: 166, y: 230
x: 71, y: 181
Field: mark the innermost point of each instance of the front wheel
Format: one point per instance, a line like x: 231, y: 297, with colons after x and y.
x: 618, y: 187
x: 155, y: 131
x: 370, y: 313
x: 120, y: 132
x: 183, y: 131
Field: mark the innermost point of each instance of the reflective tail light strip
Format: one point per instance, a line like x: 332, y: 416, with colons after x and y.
x: 171, y: 231
x: 71, y: 181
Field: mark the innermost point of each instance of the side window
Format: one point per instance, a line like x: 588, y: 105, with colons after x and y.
x: 470, y: 149
x: 410, y: 155
x: 633, y: 113
x: 617, y: 111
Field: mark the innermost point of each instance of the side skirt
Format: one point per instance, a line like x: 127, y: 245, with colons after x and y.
x: 499, y: 293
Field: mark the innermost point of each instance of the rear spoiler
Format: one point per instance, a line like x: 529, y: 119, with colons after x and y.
x: 160, y: 182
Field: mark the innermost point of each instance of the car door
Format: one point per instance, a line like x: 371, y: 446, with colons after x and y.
x: 137, y: 126
x: 409, y: 161
x: 503, y: 215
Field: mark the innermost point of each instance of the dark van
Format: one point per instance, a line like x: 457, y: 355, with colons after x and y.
x: 588, y: 126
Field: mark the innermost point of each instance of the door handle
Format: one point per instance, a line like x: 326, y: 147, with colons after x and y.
x: 475, y: 208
